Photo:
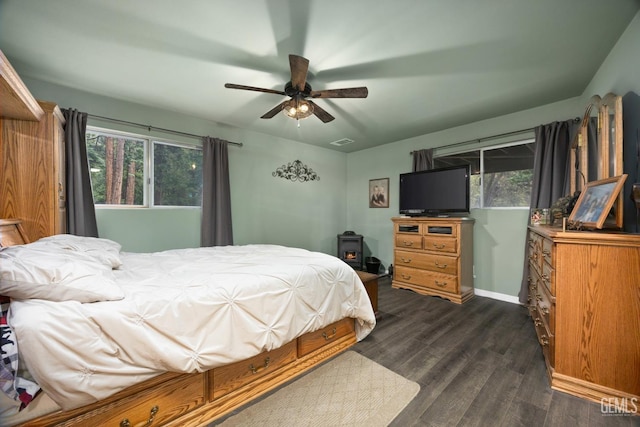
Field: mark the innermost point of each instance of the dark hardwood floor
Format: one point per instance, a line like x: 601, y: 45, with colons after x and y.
x: 478, y: 364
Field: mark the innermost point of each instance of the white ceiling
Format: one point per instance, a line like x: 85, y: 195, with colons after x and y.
x: 429, y: 64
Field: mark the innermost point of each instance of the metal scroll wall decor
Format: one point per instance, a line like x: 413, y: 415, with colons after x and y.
x: 296, y: 171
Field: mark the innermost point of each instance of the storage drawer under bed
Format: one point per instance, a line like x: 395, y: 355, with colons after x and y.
x: 155, y: 407
x: 231, y: 377
x: 314, y: 340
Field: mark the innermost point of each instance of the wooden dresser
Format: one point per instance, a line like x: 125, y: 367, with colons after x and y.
x: 32, y: 160
x: 584, y: 299
x: 434, y: 256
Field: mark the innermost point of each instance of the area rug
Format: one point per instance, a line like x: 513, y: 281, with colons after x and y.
x: 349, y: 390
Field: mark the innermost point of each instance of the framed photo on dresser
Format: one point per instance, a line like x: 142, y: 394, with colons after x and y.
x: 595, y: 202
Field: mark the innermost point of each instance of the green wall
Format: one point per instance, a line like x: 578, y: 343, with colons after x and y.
x: 309, y: 215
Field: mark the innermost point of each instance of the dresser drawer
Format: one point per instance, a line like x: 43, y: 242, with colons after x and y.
x: 438, y: 263
x: 534, y: 282
x: 409, y: 241
x: 314, y: 340
x: 547, y: 278
x: 535, y: 251
x: 546, y: 307
x: 547, y: 251
x: 428, y: 279
x: 156, y: 407
x: 441, y: 244
x: 545, y: 338
x: 234, y: 376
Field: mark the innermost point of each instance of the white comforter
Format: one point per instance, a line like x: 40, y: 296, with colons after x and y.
x: 184, y: 310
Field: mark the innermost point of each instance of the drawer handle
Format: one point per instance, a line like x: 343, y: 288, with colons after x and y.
x: 545, y: 278
x: 329, y: 337
x: 405, y: 276
x: 537, y: 322
x: 437, y: 246
x: 441, y: 284
x: 546, y: 252
x: 152, y: 416
x: 407, y: 243
x: 405, y: 260
x: 441, y: 265
x: 255, y: 370
x: 544, y: 341
x: 545, y: 310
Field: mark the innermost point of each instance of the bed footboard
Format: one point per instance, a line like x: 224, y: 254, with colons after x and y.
x: 175, y: 399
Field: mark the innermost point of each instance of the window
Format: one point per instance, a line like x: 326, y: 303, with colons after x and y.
x: 116, y: 165
x: 177, y: 175
x: 121, y: 163
x: 501, y: 176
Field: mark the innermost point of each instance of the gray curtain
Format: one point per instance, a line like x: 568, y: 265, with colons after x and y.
x: 216, y: 227
x: 422, y: 160
x: 81, y: 212
x: 550, y: 175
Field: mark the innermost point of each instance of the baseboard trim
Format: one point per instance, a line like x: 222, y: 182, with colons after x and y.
x: 497, y: 295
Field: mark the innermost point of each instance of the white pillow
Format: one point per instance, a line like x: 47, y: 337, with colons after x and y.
x: 104, y: 250
x: 28, y: 271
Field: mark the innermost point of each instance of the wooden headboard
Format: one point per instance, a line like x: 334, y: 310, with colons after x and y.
x: 12, y: 233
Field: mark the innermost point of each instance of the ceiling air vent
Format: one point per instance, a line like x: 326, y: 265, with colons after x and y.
x: 341, y: 142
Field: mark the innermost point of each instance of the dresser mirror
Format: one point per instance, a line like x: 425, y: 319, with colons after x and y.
x: 608, y: 154
x: 611, y: 141
x: 611, y: 150
x: 580, y: 148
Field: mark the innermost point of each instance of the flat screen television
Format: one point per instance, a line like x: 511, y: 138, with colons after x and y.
x: 435, y: 192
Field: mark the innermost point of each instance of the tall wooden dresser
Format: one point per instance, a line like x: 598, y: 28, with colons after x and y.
x: 434, y: 256
x: 32, y: 161
x: 584, y: 299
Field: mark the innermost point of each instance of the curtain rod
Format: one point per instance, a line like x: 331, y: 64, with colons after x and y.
x: 175, y: 132
x: 500, y: 135
x: 479, y: 140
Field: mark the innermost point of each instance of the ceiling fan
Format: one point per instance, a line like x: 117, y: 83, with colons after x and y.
x: 300, y: 105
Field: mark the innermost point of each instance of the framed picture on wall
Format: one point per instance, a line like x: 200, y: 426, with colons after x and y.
x: 595, y: 201
x: 379, y: 193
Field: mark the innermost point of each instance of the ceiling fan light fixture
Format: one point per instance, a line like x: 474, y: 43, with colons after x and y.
x: 298, y: 108
x: 298, y: 89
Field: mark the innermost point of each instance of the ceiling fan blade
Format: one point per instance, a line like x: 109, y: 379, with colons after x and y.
x: 275, y: 110
x: 320, y: 113
x: 255, y: 89
x: 299, y: 67
x: 353, y: 92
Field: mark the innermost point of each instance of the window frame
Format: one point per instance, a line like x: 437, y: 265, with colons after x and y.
x: 148, y: 167
x: 481, y: 151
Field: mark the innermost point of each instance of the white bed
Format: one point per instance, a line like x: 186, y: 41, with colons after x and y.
x: 185, y: 310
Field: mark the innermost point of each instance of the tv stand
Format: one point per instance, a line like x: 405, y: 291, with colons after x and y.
x: 434, y: 256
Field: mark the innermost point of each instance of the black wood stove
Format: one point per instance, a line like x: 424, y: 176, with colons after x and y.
x: 350, y: 249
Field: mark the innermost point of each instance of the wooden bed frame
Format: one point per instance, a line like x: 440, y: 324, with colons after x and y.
x: 175, y: 399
